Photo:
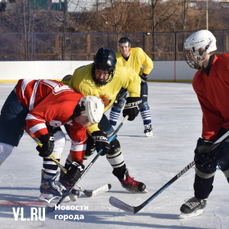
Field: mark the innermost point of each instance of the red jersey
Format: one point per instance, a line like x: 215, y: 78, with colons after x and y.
x: 51, y: 102
x: 213, y: 94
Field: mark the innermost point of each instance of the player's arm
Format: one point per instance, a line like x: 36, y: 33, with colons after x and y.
x: 148, y: 66
x: 133, y: 102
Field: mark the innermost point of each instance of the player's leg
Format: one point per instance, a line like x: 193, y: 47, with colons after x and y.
x: 50, y: 168
x: 117, y: 106
x: 12, y: 120
x: 116, y: 160
x: 116, y: 110
x: 145, y: 110
x: 204, y: 178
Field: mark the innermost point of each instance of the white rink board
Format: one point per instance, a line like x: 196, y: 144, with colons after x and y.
x: 13, y: 70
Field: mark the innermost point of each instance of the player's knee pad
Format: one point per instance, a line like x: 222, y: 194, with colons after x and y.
x: 205, y: 173
x: 115, y: 148
x: 59, y: 145
x: 115, y: 156
x: 5, y: 151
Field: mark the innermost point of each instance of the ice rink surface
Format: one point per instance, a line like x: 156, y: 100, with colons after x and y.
x: 176, y: 118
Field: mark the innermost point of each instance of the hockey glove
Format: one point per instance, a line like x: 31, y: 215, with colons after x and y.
x: 202, y: 155
x: 74, y: 171
x: 144, y: 78
x: 48, y: 145
x: 101, y: 141
x: 132, y: 107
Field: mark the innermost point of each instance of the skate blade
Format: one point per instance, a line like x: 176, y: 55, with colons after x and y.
x: 193, y: 214
x: 136, y: 191
x: 149, y: 134
x: 44, y: 197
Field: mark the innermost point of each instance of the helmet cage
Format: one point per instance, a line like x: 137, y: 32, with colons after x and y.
x: 195, y: 57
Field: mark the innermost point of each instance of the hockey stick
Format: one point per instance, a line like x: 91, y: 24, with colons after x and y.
x: 104, y: 188
x: 119, y: 126
x: 95, y: 192
x: 50, y: 209
x: 120, y: 204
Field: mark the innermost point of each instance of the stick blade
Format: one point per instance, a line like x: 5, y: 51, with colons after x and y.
x: 121, y: 205
x: 98, y: 191
x: 101, y: 190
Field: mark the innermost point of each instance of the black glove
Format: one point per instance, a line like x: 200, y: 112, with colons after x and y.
x: 144, y: 78
x: 101, y: 141
x: 202, y: 154
x: 48, y: 145
x: 74, y: 171
x: 132, y: 107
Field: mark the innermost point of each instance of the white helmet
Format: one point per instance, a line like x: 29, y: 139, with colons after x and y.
x: 196, y: 47
x: 92, y: 107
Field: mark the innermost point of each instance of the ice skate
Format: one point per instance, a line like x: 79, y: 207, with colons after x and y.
x: 50, y: 188
x: 148, y: 130
x: 192, y: 207
x: 132, y: 185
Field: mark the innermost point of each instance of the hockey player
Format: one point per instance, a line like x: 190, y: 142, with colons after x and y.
x: 35, y: 103
x: 104, y: 78
x: 135, y: 58
x: 211, y: 84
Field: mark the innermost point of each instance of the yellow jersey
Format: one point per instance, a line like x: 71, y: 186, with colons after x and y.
x: 83, y: 82
x: 136, y: 60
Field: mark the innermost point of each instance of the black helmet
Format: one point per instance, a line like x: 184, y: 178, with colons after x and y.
x: 104, y: 59
x: 124, y: 40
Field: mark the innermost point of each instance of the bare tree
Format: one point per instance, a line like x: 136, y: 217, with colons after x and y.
x: 118, y: 15
x: 26, y: 14
x: 157, y: 12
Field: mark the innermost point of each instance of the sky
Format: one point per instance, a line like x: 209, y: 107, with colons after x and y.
x: 176, y: 120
